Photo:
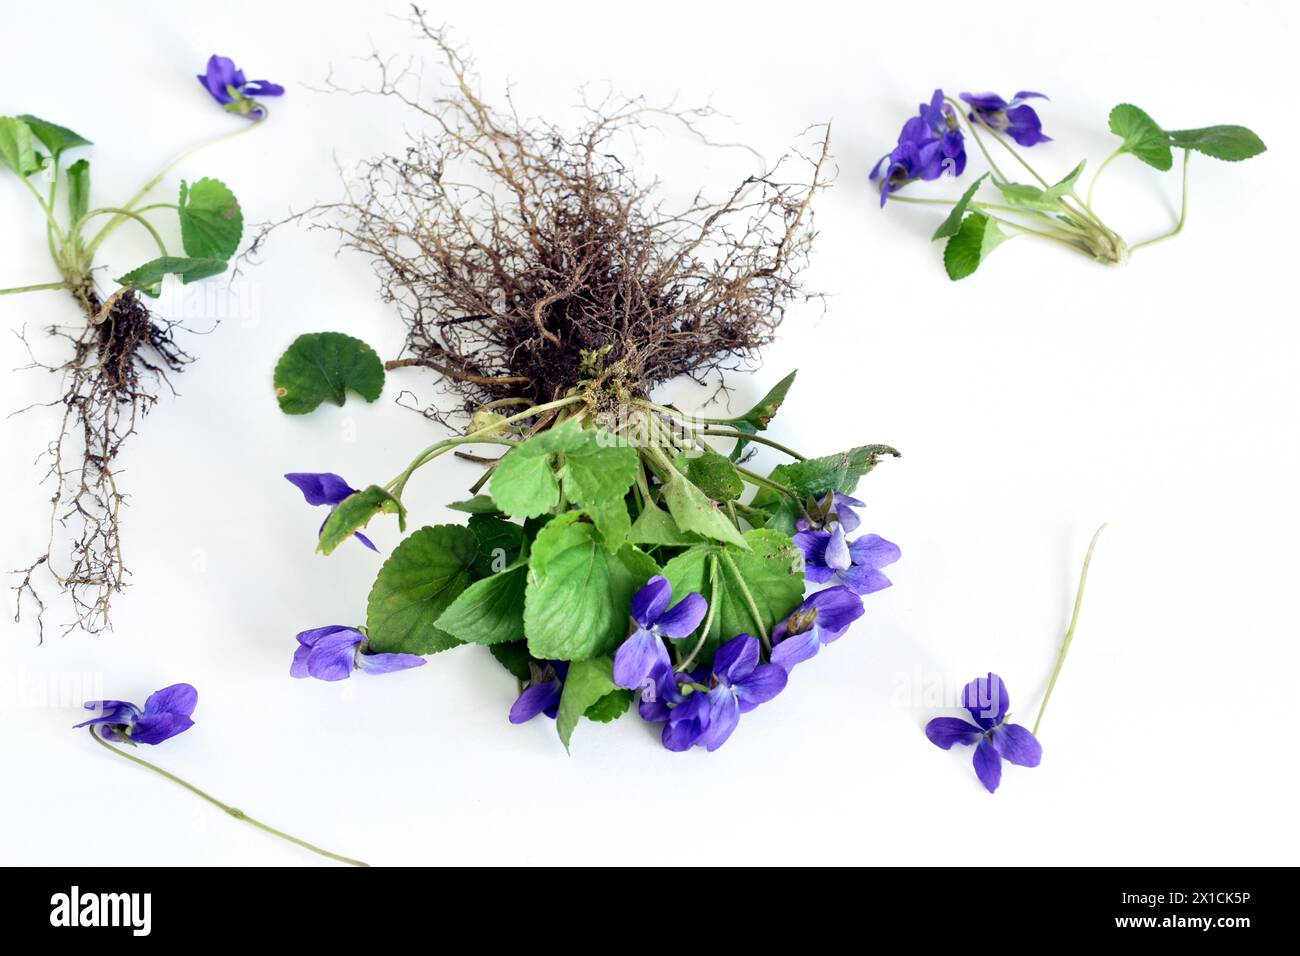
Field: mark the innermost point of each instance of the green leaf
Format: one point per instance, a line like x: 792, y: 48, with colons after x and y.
x: 1043, y: 200
x: 523, y: 483
x: 321, y: 367
x: 693, y: 511
x: 16, y: 150
x: 418, y: 582
x: 738, y: 449
x: 211, y: 220
x: 610, y: 707
x: 713, y: 474
x: 579, y: 597
x: 951, y: 225
x: 587, y: 682
x: 148, y: 277
x: 354, y: 513
x: 1142, y: 136
x: 55, y: 138
x: 514, y: 657
x: 78, y: 190
x: 500, y: 543
x: 814, y: 478
x: 964, y: 252
x: 654, y: 526
x: 761, y: 415
x: 490, y: 611
x: 478, y: 505
x: 771, y: 571
x: 1229, y: 143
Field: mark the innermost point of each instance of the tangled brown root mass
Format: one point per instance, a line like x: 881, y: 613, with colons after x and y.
x: 119, y: 357
x: 526, y: 260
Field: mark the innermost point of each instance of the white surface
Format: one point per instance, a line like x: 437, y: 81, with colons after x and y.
x: 1032, y: 402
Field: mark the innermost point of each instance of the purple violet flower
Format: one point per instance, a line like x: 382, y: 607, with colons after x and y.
x: 326, y: 488
x: 828, y: 556
x: 166, y: 713
x: 740, y: 683
x: 987, y: 701
x: 1018, y: 121
x: 929, y: 145
x: 541, y: 695
x: 834, y: 507
x: 820, y: 619
x: 226, y: 84
x: 638, y: 657
x: 334, y: 652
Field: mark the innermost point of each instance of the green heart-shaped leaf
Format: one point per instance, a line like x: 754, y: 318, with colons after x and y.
x: 322, y: 367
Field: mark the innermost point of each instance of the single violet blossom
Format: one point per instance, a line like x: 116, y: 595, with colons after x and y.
x: 334, y: 652
x: 740, y: 683
x: 166, y: 713
x: 644, y: 650
x: 542, y: 693
x: 829, y: 555
x: 326, y: 488
x: 822, y: 618
x: 226, y: 84
x: 1017, y: 120
x: 929, y: 145
x: 986, y: 699
x: 834, y: 507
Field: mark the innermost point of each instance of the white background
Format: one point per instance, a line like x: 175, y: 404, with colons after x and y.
x: 1031, y: 402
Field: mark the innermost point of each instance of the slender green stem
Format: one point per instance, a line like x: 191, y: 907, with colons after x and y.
x: 34, y: 288
x: 1182, y: 215
x: 779, y: 488
x: 708, y: 618
x: 1097, y: 175
x: 233, y: 811
x: 749, y: 600
x: 135, y: 200
x: 680, y: 415
x: 988, y: 158
x: 121, y: 212
x: 1082, y: 210
x: 1069, y: 634
x: 977, y: 204
x: 50, y: 221
x: 728, y: 433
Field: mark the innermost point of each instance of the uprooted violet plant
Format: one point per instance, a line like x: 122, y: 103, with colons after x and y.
x: 617, y: 550
x: 120, y: 351
x: 933, y: 143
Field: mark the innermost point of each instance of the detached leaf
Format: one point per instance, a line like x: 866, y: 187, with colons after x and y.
x: 16, y: 150
x: 1142, y: 136
x: 148, y: 277
x: 693, y: 511
x: 354, y: 513
x: 211, y: 220
x: 587, y: 682
x: 78, y: 190
x: 964, y: 252
x: 322, y: 367
x: 1229, y: 143
x: 951, y: 225
x: 418, y: 582
x: 55, y: 138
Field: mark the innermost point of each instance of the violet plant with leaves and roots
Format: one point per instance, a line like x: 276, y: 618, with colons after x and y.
x: 120, y: 351
x: 934, y: 143
x: 615, y: 549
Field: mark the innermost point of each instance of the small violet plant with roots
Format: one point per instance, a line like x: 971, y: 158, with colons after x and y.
x: 934, y: 143
x: 165, y: 714
x: 616, y: 550
x: 120, y: 350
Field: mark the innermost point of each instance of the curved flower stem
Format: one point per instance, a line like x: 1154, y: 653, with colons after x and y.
x: 1069, y: 634
x: 1083, y: 210
x: 962, y: 118
x: 233, y: 811
x: 977, y: 204
x: 708, y: 620
x: 728, y: 433
x: 51, y: 223
x: 148, y: 187
x: 749, y: 600
x: 1095, y: 176
x: 122, y: 212
x: 34, y: 288
x: 1182, y: 216
x: 779, y: 488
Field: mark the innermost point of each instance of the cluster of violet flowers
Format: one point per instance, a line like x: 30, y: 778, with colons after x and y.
x: 702, y: 706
